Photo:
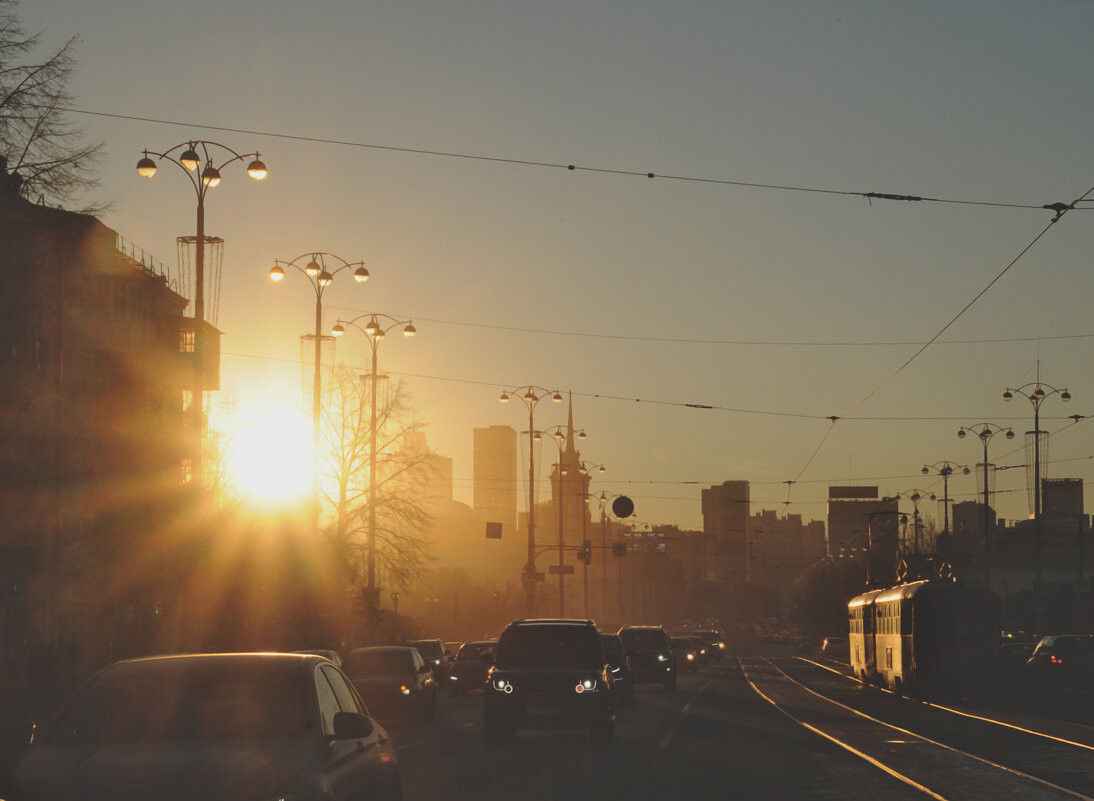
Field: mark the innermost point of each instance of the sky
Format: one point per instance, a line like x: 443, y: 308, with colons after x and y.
x: 754, y: 275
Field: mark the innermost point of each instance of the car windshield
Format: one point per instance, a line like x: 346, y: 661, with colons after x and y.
x: 679, y: 642
x: 644, y: 639
x: 174, y: 701
x: 550, y: 647
x: 612, y: 643
x: 430, y: 649
x: 379, y: 661
x: 1073, y: 646
x: 474, y: 650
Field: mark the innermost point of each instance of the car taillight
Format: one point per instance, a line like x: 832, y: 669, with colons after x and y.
x: 1055, y: 660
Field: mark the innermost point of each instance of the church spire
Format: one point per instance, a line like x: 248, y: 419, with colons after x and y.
x: 570, y: 426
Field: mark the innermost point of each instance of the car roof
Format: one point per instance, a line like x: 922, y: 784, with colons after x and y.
x: 379, y: 648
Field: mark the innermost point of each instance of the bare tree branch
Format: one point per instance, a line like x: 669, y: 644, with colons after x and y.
x: 37, y: 139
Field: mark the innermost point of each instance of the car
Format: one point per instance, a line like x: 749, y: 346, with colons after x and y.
x: 650, y: 654
x: 835, y: 647
x: 702, y: 651
x: 438, y: 656
x: 327, y: 653
x: 1062, y: 661
x: 685, y: 653
x: 468, y: 671
x: 395, y: 681
x: 623, y: 683
x: 548, y: 674
x: 715, y: 641
x: 254, y: 725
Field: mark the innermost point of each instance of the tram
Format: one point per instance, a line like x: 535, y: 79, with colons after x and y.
x: 926, y: 636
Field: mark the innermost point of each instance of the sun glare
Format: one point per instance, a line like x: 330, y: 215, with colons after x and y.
x: 270, y: 460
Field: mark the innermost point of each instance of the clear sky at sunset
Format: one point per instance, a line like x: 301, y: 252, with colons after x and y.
x: 754, y: 275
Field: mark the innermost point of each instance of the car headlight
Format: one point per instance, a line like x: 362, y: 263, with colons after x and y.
x: 585, y: 686
x: 436, y: 661
x: 502, y: 686
x: 662, y: 657
x: 691, y: 656
x: 404, y: 689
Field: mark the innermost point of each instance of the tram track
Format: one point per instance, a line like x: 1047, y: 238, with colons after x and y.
x: 929, y: 748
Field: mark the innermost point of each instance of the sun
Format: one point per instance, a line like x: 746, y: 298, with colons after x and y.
x: 270, y: 459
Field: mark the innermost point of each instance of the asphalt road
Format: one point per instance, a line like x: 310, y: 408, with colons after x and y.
x: 712, y: 738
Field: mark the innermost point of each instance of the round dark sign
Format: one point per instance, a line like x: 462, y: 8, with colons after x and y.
x: 623, y: 506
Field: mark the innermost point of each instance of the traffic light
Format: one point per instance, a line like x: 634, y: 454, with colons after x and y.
x: 588, y: 552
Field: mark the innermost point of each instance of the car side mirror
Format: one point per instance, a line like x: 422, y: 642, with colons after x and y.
x: 425, y: 668
x: 615, y: 660
x: 350, y: 726
x: 487, y: 658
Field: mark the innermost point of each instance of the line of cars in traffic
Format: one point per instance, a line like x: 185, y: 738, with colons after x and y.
x: 312, y: 724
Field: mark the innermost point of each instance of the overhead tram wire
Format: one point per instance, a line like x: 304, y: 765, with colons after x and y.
x: 736, y: 342
x: 1059, y: 208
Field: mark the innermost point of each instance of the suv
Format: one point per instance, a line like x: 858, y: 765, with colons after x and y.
x: 650, y: 654
x: 548, y: 674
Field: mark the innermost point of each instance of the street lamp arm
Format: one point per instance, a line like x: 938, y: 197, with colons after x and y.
x: 316, y: 270
x: 189, y: 160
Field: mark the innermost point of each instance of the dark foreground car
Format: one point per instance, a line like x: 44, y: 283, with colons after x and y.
x: 548, y: 674
x: 650, y: 653
x: 468, y: 672
x: 245, y: 727
x: 395, y: 681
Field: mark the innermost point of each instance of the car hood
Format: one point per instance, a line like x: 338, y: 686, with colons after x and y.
x: 383, y: 682
x: 164, y: 771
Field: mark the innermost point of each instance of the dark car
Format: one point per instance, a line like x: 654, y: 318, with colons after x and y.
x: 1062, y: 661
x: 685, y: 653
x: 212, y: 726
x: 548, y: 674
x: 702, y: 651
x: 436, y: 653
x: 395, y: 681
x: 715, y: 641
x: 468, y: 671
x: 621, y: 667
x: 652, y: 660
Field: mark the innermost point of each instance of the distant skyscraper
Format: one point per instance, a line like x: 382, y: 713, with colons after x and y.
x: 725, y: 531
x: 495, y: 477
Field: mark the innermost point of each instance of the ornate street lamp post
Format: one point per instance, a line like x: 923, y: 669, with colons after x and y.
x: 1036, y: 396
x: 202, y: 163
x: 374, y: 331
x: 530, y: 395
x: 986, y: 432
x: 945, y: 469
x: 320, y: 276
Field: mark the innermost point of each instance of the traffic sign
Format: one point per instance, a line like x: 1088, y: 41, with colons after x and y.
x: 554, y: 569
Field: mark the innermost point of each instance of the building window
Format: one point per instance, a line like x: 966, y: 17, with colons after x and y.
x: 187, y: 469
x: 186, y: 340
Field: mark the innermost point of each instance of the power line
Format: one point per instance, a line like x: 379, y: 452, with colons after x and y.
x: 1059, y: 208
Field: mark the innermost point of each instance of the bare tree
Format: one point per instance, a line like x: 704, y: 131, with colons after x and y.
x: 38, y: 141
x: 402, y: 471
